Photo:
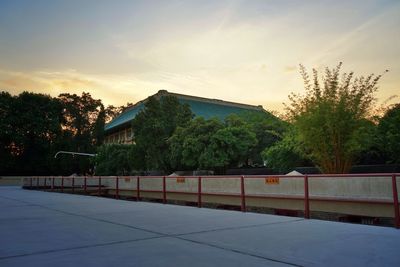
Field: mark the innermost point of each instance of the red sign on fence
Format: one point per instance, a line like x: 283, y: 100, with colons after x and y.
x: 272, y: 180
x: 180, y: 180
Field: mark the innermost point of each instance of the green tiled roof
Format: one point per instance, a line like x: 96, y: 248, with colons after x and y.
x: 125, y: 117
x: 201, y: 107
x: 209, y: 110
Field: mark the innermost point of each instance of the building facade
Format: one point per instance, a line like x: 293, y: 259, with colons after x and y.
x: 119, y: 130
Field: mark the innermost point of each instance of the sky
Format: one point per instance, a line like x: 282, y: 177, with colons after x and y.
x: 240, y: 51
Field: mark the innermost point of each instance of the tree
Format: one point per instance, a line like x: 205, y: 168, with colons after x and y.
x: 153, y: 126
x: 81, y: 114
x: 229, y: 147
x: 30, y: 126
x: 33, y: 127
x: 211, y: 144
x: 112, y: 112
x: 189, y: 143
x: 285, y: 155
x: 83, y: 125
x: 114, y: 159
x: 332, y: 116
x: 7, y: 149
x: 268, y: 128
x: 389, y: 134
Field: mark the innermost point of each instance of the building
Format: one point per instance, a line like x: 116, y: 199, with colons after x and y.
x: 119, y: 130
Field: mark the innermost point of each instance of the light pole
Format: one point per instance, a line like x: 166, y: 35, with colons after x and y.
x: 74, y: 153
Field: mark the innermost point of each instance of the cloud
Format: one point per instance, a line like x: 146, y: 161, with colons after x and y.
x: 240, y: 52
x: 290, y: 68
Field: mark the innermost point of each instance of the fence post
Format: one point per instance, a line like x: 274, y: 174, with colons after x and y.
x: 164, y: 190
x: 306, y: 199
x: 395, y: 202
x: 30, y: 186
x: 73, y: 184
x: 242, y: 195
x: 117, y: 187
x: 137, y: 188
x: 62, y: 184
x: 37, y: 182
x: 99, y: 185
x: 199, y: 192
x: 52, y: 183
x: 45, y: 183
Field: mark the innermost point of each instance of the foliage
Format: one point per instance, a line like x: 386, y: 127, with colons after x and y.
x: 188, y: 143
x: 114, y: 159
x: 332, y: 117
x: 33, y: 127
x: 389, y: 134
x: 6, y: 157
x: 82, y: 115
x: 268, y: 130
x: 83, y: 127
x: 211, y: 144
x: 112, y: 112
x: 284, y: 156
x: 29, y: 127
x: 230, y: 146
x: 153, y: 126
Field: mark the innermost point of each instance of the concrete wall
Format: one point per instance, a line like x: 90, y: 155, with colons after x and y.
x: 10, y: 180
x: 347, y: 195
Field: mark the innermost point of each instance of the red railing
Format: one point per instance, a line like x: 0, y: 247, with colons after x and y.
x: 306, y: 196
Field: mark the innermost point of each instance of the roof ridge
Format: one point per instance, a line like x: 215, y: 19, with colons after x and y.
x: 212, y: 100
x: 164, y: 92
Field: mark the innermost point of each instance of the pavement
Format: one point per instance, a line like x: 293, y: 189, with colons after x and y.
x: 54, y: 229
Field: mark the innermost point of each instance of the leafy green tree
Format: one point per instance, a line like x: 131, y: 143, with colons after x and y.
x: 268, y: 128
x: 83, y: 125
x: 211, y: 144
x: 229, y: 147
x: 7, y: 149
x: 389, y: 134
x: 114, y: 159
x: 189, y: 143
x: 30, y: 127
x: 81, y: 114
x: 332, y: 117
x: 112, y: 112
x: 285, y: 155
x: 153, y: 126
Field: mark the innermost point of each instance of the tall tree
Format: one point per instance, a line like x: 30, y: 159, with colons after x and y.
x: 31, y: 127
x: 389, y: 134
x: 7, y: 148
x: 188, y: 144
x: 83, y: 122
x: 229, y: 147
x: 212, y: 144
x: 111, y: 111
x: 268, y: 128
x: 286, y: 154
x: 154, y: 125
x: 332, y: 116
x: 114, y: 159
x: 81, y: 114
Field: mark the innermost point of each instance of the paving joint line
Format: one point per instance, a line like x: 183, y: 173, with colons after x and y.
x: 239, y: 251
x: 162, y: 235
x: 238, y: 227
x: 17, y: 206
x: 155, y: 232
x: 80, y: 247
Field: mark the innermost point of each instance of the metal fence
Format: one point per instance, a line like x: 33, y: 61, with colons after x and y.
x: 358, y: 193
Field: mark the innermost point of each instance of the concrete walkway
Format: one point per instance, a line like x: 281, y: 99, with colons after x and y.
x: 52, y: 229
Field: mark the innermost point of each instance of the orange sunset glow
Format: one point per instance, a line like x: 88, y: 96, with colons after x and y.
x: 241, y: 51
